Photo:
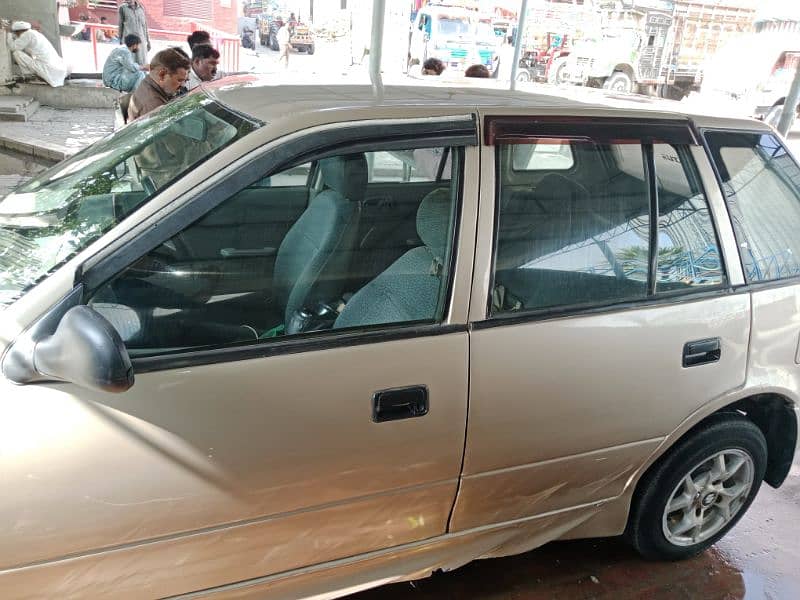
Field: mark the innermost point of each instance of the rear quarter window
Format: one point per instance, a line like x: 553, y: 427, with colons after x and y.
x: 761, y: 183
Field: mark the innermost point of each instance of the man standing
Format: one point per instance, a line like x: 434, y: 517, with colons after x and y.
x: 132, y: 20
x: 204, y: 65
x: 35, y: 55
x: 120, y: 71
x: 168, y: 72
x: 283, y: 38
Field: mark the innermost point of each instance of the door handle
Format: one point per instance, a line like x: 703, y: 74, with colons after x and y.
x: 400, y: 403
x: 700, y: 352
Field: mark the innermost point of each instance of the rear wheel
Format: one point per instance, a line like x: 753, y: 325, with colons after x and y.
x: 695, y: 494
x: 619, y: 82
x: 558, y: 71
x: 523, y: 75
x: 310, y: 50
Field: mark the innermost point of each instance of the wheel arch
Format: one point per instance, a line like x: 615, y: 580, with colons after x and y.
x: 774, y: 411
x: 624, y: 68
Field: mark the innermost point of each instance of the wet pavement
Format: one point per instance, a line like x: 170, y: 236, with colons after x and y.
x: 758, y: 559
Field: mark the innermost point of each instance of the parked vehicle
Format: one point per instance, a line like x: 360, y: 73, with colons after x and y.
x: 628, y: 54
x: 457, y: 36
x: 294, y: 342
x: 755, y: 73
x: 548, y: 66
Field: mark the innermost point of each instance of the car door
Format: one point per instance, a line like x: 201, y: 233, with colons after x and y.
x: 230, y: 458
x: 603, y: 327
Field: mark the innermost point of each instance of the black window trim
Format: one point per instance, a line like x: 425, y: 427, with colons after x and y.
x: 503, y: 138
x: 461, y: 133
x: 748, y: 285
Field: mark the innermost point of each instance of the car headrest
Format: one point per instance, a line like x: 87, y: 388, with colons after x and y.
x: 346, y: 174
x: 433, y: 221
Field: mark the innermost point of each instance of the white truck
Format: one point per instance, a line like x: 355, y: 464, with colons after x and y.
x: 627, y: 53
x: 456, y: 35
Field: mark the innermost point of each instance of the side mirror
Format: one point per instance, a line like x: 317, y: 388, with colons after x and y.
x: 86, y: 350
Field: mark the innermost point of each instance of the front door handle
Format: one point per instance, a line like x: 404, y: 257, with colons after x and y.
x: 400, y: 403
x: 700, y: 352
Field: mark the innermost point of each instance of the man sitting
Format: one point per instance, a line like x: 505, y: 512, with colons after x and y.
x: 35, y: 55
x: 204, y: 65
x: 121, y: 72
x: 169, y: 70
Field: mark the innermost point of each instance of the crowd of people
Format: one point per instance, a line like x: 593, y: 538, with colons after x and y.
x: 171, y: 72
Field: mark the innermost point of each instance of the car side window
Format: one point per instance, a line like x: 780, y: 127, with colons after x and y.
x: 584, y: 237
x: 421, y: 164
x: 761, y: 183
x: 277, y: 261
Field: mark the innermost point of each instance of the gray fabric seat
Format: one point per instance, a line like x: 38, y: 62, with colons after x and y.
x: 313, y: 259
x: 409, y: 289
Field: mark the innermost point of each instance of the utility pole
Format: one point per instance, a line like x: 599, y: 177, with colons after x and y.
x: 790, y: 105
x: 523, y: 14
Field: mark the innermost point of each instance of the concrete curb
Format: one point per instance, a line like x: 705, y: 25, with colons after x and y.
x: 39, y: 149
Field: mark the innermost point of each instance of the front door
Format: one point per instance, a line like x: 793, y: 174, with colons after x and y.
x: 608, y: 322
x: 260, y: 438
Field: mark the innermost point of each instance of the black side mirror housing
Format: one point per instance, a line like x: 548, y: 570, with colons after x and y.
x: 84, y: 349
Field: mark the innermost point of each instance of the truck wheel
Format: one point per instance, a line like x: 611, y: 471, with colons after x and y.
x: 619, y: 82
x: 523, y: 76
x: 558, y: 71
x: 310, y: 49
x: 698, y: 491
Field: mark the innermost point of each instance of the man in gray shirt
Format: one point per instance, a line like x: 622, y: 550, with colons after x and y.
x: 132, y: 20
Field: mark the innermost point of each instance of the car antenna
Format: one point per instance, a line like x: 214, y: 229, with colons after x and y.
x: 523, y: 16
x: 376, y: 47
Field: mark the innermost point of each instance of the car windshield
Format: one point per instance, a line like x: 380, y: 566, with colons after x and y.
x: 49, y: 219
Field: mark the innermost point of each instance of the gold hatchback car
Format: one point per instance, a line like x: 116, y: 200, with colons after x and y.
x: 292, y: 342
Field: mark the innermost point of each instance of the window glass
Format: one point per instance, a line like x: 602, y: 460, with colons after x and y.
x: 296, y: 176
x: 422, y: 164
x: 762, y: 185
x: 688, y: 252
x: 271, y: 262
x: 567, y: 240
x: 584, y: 237
x: 544, y: 155
x: 55, y: 215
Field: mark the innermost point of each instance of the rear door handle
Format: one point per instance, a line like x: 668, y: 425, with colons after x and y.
x: 700, y: 352
x: 400, y: 403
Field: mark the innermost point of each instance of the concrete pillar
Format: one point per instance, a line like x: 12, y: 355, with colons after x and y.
x: 5, y: 60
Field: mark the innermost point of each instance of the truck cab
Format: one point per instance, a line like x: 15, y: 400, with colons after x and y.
x: 457, y: 36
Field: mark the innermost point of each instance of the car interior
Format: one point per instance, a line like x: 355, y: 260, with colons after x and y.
x: 577, y: 232
x: 345, y: 241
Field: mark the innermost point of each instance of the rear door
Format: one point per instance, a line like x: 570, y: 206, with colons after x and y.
x: 607, y: 321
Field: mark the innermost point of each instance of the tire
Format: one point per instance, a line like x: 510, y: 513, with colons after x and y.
x: 658, y: 534
x: 557, y: 70
x: 619, y: 82
x: 310, y: 50
x: 523, y: 76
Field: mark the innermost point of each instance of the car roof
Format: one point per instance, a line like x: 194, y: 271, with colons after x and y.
x: 270, y: 100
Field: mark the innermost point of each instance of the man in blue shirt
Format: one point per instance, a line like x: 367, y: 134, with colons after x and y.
x: 121, y: 71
